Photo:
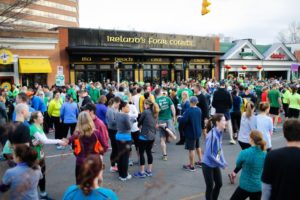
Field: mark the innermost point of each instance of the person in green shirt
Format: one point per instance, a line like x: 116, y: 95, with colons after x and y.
x: 94, y: 93
x: 39, y: 138
x: 183, y: 87
x: 15, y: 90
x: 294, y: 103
x: 274, y: 98
x: 258, y: 91
x: 285, y: 96
x: 71, y: 91
x: 166, y: 114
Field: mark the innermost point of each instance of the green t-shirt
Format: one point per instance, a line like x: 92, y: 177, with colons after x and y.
x: 179, y: 93
x: 285, y: 96
x: 165, y: 104
x: 39, y: 147
x: 203, y: 82
x: 258, y: 91
x: 273, y: 96
x: 72, y: 92
x: 293, y: 98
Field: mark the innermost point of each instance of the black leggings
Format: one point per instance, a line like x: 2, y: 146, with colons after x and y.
x: 124, y: 148
x: 243, y: 146
x: 241, y: 194
x: 42, y: 182
x: 114, y: 147
x: 146, y: 145
x: 58, y: 127
x: 286, y: 109
x: 236, y: 121
x: 293, y: 113
x: 135, y: 138
x: 66, y: 128
x: 213, y: 181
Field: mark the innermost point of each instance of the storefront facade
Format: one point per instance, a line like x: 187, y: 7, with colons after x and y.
x: 99, y: 55
x: 244, y: 59
x: 35, y: 57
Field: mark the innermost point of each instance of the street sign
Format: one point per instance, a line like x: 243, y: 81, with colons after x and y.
x: 60, y: 80
x: 6, y: 57
x: 60, y: 70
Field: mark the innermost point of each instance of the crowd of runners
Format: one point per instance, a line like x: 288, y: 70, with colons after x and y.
x: 91, y: 118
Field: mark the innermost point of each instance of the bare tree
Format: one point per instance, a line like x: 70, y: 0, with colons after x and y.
x: 13, y: 11
x: 291, y: 34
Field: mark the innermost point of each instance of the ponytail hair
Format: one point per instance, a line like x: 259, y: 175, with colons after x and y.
x: 258, y: 140
x: 27, y: 155
x: 212, y: 122
x: 249, y: 109
x: 90, y: 170
x: 153, y: 106
x: 263, y: 106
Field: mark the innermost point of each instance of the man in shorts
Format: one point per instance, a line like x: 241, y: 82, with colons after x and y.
x: 274, y: 98
x: 166, y: 114
x: 191, y: 121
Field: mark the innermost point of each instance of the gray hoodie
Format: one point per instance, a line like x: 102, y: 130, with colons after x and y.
x: 111, y: 115
x: 148, y: 123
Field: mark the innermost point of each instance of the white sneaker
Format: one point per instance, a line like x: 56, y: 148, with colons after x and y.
x: 232, y: 142
x: 128, y: 177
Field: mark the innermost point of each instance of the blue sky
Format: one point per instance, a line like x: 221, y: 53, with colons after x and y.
x: 258, y: 19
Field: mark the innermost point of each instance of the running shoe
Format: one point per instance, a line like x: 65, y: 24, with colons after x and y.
x: 126, y: 178
x: 113, y: 169
x: 130, y: 163
x: 198, y: 164
x: 232, y: 177
x: 232, y: 142
x: 44, y: 196
x: 189, y: 168
x: 60, y: 147
x: 165, y: 157
x: 148, y: 173
x: 140, y: 175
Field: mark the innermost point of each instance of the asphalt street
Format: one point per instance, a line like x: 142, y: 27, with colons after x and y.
x: 170, y: 181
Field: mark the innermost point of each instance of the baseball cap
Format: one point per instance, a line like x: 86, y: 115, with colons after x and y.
x: 194, y: 99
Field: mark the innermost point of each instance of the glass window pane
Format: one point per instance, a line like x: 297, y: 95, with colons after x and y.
x: 165, y: 75
x: 127, y: 66
x: 6, y: 68
x: 79, y: 75
x: 164, y: 67
x: 147, y: 67
x: 147, y: 76
x: 91, y: 66
x: 126, y: 75
x: 156, y: 76
x: 79, y: 67
x: 105, y: 67
x: 155, y: 66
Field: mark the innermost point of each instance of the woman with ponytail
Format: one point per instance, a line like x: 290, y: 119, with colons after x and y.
x: 251, y: 160
x: 90, y: 180
x: 213, y: 158
x: 147, y: 121
x: 248, y: 123
x: 22, y: 180
x: 265, y: 123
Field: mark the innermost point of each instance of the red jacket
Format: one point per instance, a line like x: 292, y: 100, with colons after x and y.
x: 100, y: 126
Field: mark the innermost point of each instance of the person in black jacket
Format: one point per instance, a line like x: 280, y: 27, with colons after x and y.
x: 222, y: 102
x: 202, y: 104
x: 86, y: 99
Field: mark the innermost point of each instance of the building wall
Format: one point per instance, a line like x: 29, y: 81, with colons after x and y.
x: 46, y: 14
x: 34, y: 44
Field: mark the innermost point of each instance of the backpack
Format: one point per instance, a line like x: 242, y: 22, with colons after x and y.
x: 243, y: 105
x: 94, y: 148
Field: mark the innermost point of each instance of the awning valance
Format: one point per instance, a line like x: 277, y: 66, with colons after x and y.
x: 34, y: 65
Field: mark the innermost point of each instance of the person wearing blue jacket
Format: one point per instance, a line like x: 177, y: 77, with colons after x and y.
x: 68, y: 115
x: 251, y: 160
x: 191, y: 122
x: 213, y: 158
x: 38, y: 103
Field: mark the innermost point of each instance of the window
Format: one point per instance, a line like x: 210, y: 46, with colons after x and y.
x: 79, y: 67
x: 105, y: 67
x: 6, y: 68
x: 91, y: 67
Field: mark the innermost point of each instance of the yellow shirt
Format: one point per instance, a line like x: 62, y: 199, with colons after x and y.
x: 54, y: 108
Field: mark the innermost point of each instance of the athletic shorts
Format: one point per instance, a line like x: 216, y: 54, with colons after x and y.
x: 162, y: 132
x: 274, y: 111
x: 191, y: 144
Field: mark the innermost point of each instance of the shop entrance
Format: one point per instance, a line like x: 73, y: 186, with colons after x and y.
x: 6, y: 82
x: 30, y: 79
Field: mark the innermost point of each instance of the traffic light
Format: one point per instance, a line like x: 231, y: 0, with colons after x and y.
x: 205, y: 4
